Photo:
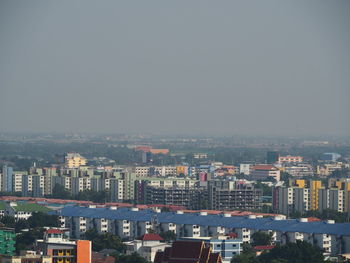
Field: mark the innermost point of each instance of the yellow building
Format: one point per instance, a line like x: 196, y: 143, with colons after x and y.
x: 181, y: 170
x: 314, y: 187
x: 74, y: 160
x: 300, y: 183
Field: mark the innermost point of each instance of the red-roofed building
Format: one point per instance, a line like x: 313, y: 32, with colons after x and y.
x: 53, y: 231
x: 151, y: 237
x: 232, y: 235
x: 265, y: 171
x: 313, y: 219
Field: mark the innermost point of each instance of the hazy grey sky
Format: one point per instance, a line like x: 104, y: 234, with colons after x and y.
x: 212, y: 67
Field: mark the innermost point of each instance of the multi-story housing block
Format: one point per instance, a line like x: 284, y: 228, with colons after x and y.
x: 261, y: 172
x: 225, y: 195
x: 74, y: 160
x: 303, y: 196
x: 333, y: 238
x: 290, y: 159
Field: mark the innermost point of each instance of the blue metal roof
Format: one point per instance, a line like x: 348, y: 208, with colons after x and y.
x: 289, y: 225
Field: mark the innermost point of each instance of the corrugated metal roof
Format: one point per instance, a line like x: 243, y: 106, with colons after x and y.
x: 289, y: 225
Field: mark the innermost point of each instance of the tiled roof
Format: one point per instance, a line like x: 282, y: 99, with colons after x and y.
x: 232, y: 235
x: 53, y: 231
x: 264, y: 167
x: 187, y: 252
x: 263, y: 247
x: 289, y: 225
x: 151, y: 237
x: 186, y: 249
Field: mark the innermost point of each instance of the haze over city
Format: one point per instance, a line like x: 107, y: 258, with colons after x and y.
x: 181, y: 67
x: 174, y: 131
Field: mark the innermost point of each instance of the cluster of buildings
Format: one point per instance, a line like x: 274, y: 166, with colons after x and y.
x: 205, y: 232
x: 201, y: 187
x: 206, y: 186
x: 305, y: 195
x: 53, y: 248
x: 130, y: 223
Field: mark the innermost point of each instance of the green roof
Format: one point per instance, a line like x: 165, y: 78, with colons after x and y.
x: 2, y: 205
x: 29, y: 207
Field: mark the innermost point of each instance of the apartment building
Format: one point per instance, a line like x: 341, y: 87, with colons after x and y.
x: 261, y: 172
x: 333, y: 238
x: 142, y: 184
x: 299, y: 170
x: 304, y: 195
x: 74, y: 160
x: 174, y: 195
x: 290, y: 159
x: 328, y: 168
x: 227, y: 195
x: 245, y: 168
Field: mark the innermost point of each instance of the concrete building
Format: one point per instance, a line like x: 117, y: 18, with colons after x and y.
x: 6, y: 178
x: 333, y: 238
x: 74, y: 160
x: 305, y: 195
x: 63, y: 250
x: 299, y: 170
x: 290, y: 159
x: 261, y: 172
x: 146, y: 246
x: 189, y: 197
x: 226, y: 195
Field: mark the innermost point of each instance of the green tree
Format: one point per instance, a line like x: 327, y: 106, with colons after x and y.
x: 102, y: 241
x: 25, y: 240
x: 60, y: 192
x: 267, y: 190
x: 261, y: 239
x: 40, y: 219
x: 301, y: 251
x: 247, y: 255
x: 8, y: 221
x: 94, y: 196
x: 133, y: 258
x: 168, y: 235
x: 21, y: 224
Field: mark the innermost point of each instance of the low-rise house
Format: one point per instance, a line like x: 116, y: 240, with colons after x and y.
x: 146, y: 246
x: 23, y: 210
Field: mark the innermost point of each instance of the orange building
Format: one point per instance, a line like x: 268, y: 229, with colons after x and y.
x: 63, y: 250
